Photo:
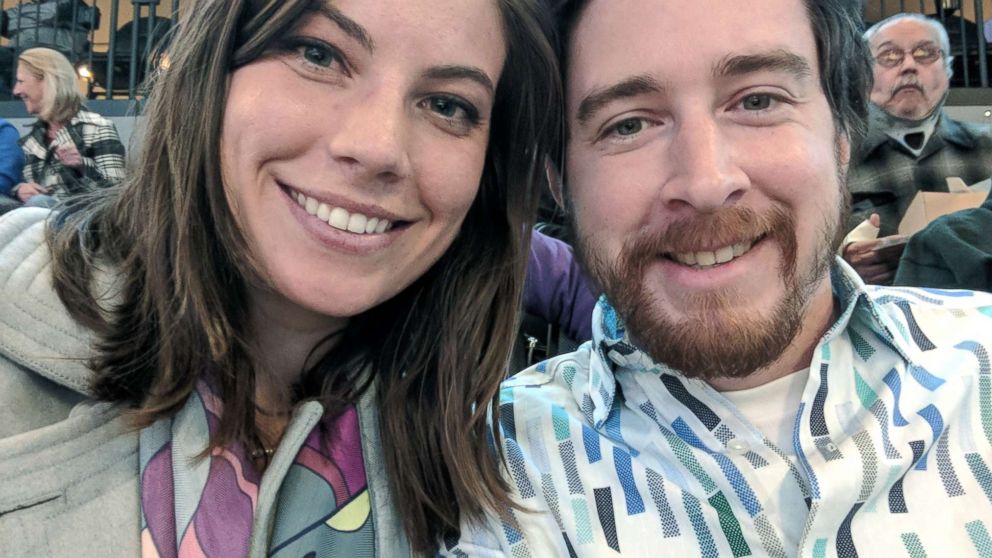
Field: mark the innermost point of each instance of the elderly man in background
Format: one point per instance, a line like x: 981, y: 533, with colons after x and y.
x: 912, y: 144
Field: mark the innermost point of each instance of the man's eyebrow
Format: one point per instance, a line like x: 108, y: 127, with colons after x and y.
x: 630, y: 87
x: 348, y: 25
x: 462, y: 72
x: 774, y: 61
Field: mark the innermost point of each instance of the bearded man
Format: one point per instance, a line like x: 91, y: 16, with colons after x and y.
x: 912, y: 144
x: 744, y: 392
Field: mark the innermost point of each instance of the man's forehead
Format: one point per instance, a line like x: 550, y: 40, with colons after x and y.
x: 905, y: 30
x: 671, y: 39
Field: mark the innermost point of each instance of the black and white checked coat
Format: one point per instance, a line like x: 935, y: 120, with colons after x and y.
x: 98, y: 143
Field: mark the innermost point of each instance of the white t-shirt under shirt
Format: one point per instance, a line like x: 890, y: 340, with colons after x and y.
x: 772, y: 408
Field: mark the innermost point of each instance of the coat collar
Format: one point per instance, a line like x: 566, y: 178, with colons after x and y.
x: 947, y: 131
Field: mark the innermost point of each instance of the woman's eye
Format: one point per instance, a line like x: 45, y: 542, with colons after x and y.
x: 455, y: 111
x: 445, y: 107
x: 318, y: 55
x: 757, y: 102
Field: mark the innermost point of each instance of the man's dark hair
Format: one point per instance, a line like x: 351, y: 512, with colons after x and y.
x: 843, y: 56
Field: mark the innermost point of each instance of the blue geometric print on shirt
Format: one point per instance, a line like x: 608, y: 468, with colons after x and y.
x: 686, y: 493
x: 920, y: 338
x: 895, y: 384
x: 817, y: 420
x: 625, y: 473
x: 925, y: 378
x: 730, y: 471
x: 590, y: 440
x: 613, y: 429
x: 980, y: 353
x: 936, y: 422
x: 814, y: 485
x: 705, y: 415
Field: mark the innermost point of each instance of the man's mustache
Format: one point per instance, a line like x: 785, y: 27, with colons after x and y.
x: 908, y: 84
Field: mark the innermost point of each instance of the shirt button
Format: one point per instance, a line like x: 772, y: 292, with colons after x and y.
x: 738, y: 447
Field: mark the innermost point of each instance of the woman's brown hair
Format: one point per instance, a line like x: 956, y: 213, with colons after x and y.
x: 436, y: 352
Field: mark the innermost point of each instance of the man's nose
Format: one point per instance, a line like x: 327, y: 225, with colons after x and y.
x: 705, y: 174
x: 909, y: 64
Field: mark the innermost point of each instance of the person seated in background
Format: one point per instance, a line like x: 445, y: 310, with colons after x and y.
x: 555, y: 288
x: 912, y: 144
x: 11, y: 165
x: 558, y: 303
x: 69, y: 149
x: 953, y: 252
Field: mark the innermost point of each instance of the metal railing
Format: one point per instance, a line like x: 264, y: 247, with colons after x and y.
x: 964, y: 21
x: 112, y: 58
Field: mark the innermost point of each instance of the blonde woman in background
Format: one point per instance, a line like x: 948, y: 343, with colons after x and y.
x: 69, y: 149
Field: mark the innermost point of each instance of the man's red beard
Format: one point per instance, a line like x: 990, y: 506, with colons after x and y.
x: 713, y: 341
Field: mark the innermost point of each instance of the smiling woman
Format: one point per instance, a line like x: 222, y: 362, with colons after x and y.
x: 299, y: 305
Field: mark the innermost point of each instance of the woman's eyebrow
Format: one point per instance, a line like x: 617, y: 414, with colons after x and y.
x: 351, y: 27
x: 461, y: 72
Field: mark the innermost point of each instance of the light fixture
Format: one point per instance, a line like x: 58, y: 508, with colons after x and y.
x: 84, y: 71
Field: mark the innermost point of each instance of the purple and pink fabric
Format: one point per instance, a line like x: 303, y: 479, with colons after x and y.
x: 205, y: 507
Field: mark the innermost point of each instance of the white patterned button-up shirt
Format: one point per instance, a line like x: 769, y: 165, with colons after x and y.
x: 891, y: 456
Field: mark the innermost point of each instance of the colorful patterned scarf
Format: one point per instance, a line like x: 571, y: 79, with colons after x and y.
x: 206, y: 507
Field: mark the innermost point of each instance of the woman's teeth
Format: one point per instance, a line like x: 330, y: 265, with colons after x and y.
x: 340, y: 218
x: 709, y: 259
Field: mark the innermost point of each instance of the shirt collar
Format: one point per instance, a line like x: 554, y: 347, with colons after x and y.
x: 614, y: 351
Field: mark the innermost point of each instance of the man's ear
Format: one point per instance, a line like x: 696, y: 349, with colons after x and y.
x: 556, y: 185
x: 844, y: 150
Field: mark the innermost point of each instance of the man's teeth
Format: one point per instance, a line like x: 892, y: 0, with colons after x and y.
x: 707, y: 259
x: 340, y: 218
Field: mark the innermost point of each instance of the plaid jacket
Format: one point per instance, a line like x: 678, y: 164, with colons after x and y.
x: 885, y: 176
x: 98, y: 143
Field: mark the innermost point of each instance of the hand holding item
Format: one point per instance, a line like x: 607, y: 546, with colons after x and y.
x: 28, y: 190
x: 876, y: 260
x: 69, y: 155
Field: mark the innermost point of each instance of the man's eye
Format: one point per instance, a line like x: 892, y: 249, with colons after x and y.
x: 890, y: 57
x: 629, y: 126
x: 757, y: 102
